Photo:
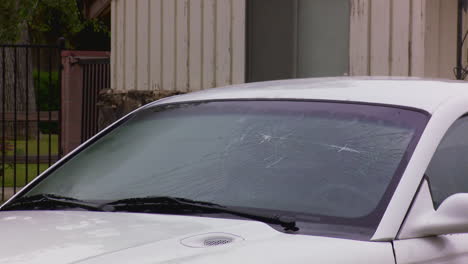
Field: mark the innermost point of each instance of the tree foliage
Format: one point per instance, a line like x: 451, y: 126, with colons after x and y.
x: 43, y: 19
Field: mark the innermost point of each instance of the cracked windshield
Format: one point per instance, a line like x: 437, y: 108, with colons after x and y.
x: 316, y: 158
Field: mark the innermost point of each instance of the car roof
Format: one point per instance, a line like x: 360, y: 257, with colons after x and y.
x: 425, y: 94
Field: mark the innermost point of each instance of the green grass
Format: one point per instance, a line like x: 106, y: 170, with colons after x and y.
x: 32, y: 146
x: 21, y: 173
x: 32, y: 169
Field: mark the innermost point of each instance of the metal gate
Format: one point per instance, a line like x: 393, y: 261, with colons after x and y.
x: 30, y: 117
x: 96, y: 77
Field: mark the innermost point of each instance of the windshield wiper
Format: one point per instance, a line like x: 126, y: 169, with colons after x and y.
x: 159, y: 204
x: 53, y: 202
x: 168, y: 204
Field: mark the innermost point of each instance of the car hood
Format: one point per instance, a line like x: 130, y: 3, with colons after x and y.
x: 97, y: 237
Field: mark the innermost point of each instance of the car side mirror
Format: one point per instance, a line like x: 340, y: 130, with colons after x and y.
x: 451, y: 217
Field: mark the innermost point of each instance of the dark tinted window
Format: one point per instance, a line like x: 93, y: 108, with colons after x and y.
x: 448, y: 170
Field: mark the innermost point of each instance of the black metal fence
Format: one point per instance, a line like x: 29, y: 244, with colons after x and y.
x: 30, y: 119
x: 96, y: 76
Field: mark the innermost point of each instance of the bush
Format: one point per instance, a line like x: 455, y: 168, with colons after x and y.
x: 48, y: 95
x: 47, y: 90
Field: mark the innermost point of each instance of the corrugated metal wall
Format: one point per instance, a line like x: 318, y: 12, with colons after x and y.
x: 403, y: 37
x: 183, y: 45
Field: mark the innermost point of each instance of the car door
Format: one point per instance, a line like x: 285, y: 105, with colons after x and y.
x: 447, y: 174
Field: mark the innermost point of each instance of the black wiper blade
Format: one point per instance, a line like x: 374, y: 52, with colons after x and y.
x: 161, y: 203
x: 287, y: 222
x: 158, y: 200
x: 52, y: 202
x: 176, y: 204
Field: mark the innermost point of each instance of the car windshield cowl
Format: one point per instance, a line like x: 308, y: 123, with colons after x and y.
x: 157, y: 204
x: 151, y: 204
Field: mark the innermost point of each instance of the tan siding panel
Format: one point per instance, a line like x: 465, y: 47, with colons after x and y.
x: 209, y: 44
x: 359, y: 36
x: 223, y: 47
x: 417, y: 37
x: 182, y: 44
x: 155, y: 44
x: 238, y: 41
x: 177, y: 44
x: 195, y: 49
x: 130, y: 45
x: 380, y: 37
x: 464, y: 29
x: 431, y: 58
x: 168, y: 45
x: 142, y: 45
x: 400, y: 37
x: 447, y: 37
x: 120, y: 56
x: 113, y: 60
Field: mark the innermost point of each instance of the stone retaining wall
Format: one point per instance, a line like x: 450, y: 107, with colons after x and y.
x: 113, y: 104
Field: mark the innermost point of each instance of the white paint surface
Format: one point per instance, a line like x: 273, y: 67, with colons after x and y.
x: 413, y: 92
x: 414, y: 246
x: 90, y: 237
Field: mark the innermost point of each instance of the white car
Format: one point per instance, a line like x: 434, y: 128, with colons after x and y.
x: 331, y: 170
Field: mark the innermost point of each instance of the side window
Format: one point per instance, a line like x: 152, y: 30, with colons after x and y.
x: 448, y: 169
